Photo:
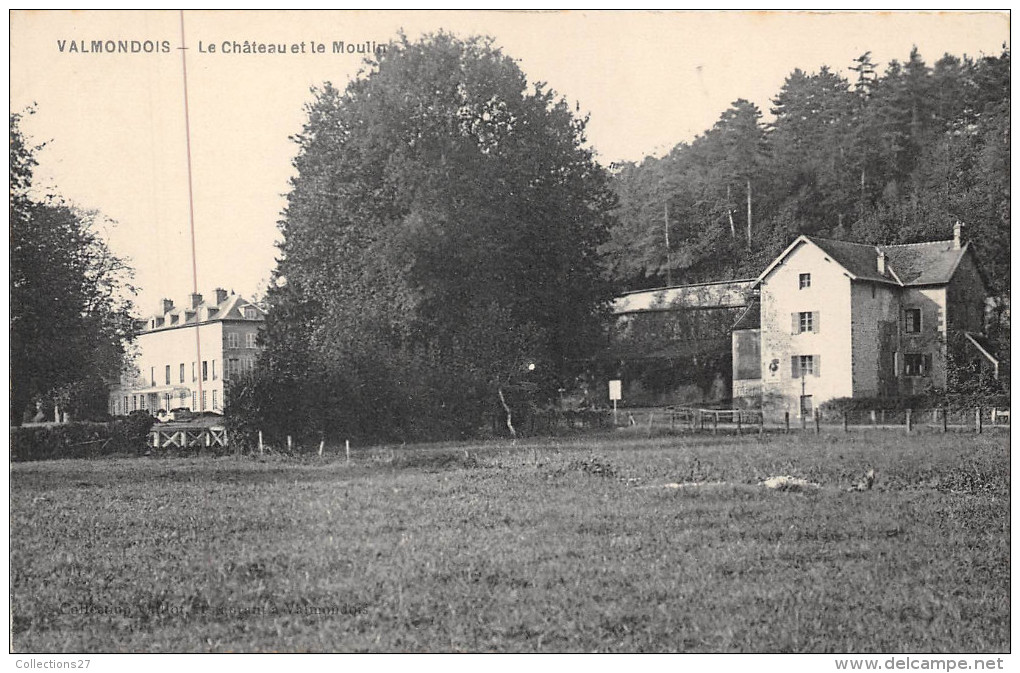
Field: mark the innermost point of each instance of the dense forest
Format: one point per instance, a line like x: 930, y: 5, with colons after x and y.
x: 891, y: 157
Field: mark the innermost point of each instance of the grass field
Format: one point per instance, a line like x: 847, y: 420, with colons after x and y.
x: 554, y: 545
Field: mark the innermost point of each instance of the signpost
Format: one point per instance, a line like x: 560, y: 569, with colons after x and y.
x: 615, y: 393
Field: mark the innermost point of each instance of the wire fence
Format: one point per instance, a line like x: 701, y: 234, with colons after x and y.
x: 743, y: 421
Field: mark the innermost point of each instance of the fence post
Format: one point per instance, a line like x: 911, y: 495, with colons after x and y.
x: 289, y: 444
x: 672, y: 420
x: 874, y: 421
x: 761, y: 423
x: 715, y: 423
x: 945, y: 420
x: 909, y: 421
x: 786, y: 418
x: 992, y: 417
x: 846, y: 423
x: 818, y: 421
x: 738, y: 423
x: 260, y: 442
x: 977, y: 420
x: 347, y: 449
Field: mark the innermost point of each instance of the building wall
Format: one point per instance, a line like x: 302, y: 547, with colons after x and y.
x: 174, y: 347
x: 930, y: 341
x: 965, y: 299
x: 875, y: 320
x: 746, y: 355
x: 829, y: 297
x: 239, y: 358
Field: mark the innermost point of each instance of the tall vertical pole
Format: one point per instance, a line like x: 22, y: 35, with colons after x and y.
x: 191, y: 212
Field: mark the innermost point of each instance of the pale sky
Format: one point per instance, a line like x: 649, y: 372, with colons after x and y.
x: 115, y: 133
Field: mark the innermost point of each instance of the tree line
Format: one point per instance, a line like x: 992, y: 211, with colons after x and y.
x: 70, y: 323
x: 450, y: 244
x: 891, y: 157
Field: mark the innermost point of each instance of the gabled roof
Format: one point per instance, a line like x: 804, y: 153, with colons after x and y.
x: 909, y: 264
x: 931, y: 263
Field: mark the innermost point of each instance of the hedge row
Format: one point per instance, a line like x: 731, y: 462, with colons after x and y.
x: 935, y: 400
x: 81, y: 439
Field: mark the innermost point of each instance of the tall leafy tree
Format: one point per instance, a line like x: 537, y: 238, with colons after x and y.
x: 442, y: 229
x: 70, y: 306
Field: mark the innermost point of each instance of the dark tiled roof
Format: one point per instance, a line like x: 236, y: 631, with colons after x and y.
x: 924, y: 263
x: 913, y: 263
x: 751, y: 317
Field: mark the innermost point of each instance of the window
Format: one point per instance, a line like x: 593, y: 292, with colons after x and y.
x: 205, y: 370
x: 194, y: 400
x: 232, y: 367
x: 168, y: 374
x: 912, y: 321
x: 232, y: 340
x: 152, y: 376
x: 182, y: 372
x: 204, y: 394
x: 806, y: 321
x: 805, y: 280
x: 916, y: 364
x: 804, y: 365
x: 215, y: 401
x: 214, y: 370
x: 125, y: 404
x: 249, y: 340
x: 193, y: 377
x: 249, y: 313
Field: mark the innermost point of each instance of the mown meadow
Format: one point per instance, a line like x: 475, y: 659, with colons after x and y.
x: 609, y: 542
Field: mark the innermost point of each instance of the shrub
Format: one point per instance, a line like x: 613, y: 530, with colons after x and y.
x: 81, y: 439
x: 930, y: 400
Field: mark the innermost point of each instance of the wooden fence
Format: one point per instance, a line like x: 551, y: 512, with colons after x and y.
x: 197, y: 437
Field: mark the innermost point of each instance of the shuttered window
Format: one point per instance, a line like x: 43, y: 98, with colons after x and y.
x: 805, y: 365
x: 806, y: 321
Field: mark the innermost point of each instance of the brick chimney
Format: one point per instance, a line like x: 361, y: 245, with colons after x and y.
x: 196, y: 299
x: 221, y: 295
x: 957, y: 234
x: 881, y: 262
x: 168, y: 305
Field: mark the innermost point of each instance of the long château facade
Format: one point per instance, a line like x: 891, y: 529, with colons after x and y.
x: 185, y: 355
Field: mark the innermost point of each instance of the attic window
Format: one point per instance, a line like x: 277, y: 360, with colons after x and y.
x: 805, y: 280
x: 249, y: 313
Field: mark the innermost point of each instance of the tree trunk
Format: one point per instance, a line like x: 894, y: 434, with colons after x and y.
x: 509, y: 415
x: 729, y: 213
x: 749, y: 213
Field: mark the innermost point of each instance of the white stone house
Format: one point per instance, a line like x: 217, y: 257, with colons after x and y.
x: 838, y: 319
x: 184, y: 355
